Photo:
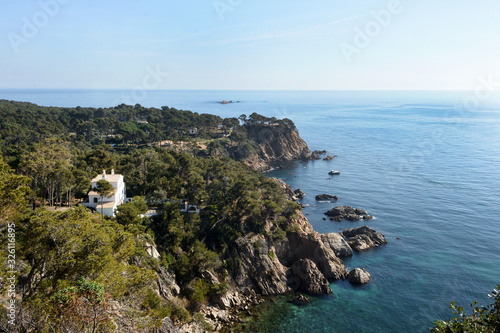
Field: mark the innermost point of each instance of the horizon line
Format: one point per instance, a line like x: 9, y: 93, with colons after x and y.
x: 260, y: 90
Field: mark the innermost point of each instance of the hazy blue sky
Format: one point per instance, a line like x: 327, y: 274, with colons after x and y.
x: 249, y: 44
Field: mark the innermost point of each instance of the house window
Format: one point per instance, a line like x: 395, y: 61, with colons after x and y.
x: 95, y: 200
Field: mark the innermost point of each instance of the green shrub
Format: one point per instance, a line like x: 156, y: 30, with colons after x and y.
x: 271, y: 254
x: 182, y: 315
x: 151, y: 300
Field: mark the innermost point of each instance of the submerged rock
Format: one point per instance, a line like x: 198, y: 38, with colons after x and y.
x: 364, y: 238
x: 359, y: 276
x: 301, y: 300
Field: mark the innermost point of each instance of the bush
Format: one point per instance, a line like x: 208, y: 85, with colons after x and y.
x: 151, y: 300
x: 482, y: 320
x: 180, y: 314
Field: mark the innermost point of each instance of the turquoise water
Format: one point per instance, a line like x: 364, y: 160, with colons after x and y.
x: 426, y: 167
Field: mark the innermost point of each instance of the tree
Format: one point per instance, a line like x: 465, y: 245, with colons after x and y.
x: 140, y: 204
x: 46, y: 165
x: 128, y: 213
x: 82, y: 308
x: 14, y: 191
x: 243, y: 118
x: 104, y: 189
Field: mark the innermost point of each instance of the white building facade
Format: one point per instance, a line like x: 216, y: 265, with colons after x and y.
x: 109, y: 204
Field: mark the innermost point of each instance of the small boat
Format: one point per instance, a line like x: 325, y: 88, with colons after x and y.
x: 334, y: 172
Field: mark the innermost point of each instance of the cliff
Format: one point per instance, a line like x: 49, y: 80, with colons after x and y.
x: 267, y: 264
x: 270, y: 144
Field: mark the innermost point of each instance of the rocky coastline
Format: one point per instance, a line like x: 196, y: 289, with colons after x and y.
x: 302, y: 261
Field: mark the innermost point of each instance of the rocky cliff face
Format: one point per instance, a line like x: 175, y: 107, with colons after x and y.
x: 269, y: 267
x: 269, y: 144
x: 261, y: 265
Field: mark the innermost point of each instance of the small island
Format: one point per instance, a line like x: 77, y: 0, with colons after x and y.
x: 227, y: 102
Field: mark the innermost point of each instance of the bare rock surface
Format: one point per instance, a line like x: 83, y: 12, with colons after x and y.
x: 326, y: 197
x: 359, y: 276
x: 364, y: 238
x: 340, y: 213
x: 308, y: 278
x: 337, y: 244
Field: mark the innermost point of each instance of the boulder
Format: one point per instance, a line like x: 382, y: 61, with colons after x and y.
x: 306, y: 277
x: 359, y: 276
x: 227, y: 300
x: 326, y: 197
x: 299, y: 194
x: 337, y: 244
x: 364, y: 238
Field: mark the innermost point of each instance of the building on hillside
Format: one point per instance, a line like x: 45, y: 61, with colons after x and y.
x: 109, y: 204
x: 185, y: 207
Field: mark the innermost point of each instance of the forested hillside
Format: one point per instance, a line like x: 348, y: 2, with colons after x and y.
x: 22, y: 124
x: 131, y: 272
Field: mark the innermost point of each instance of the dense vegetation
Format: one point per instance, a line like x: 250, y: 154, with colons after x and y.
x: 72, y: 265
x: 24, y: 123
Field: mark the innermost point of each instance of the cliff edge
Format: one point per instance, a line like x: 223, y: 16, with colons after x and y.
x: 269, y: 144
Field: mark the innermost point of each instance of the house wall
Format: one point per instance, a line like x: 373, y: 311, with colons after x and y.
x: 109, y: 211
x: 118, y: 197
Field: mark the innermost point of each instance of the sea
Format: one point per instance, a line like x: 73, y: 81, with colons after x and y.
x: 425, y: 164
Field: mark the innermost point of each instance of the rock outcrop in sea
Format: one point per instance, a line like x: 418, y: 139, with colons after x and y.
x: 364, y: 238
x: 340, y: 213
x: 359, y: 276
x: 326, y: 197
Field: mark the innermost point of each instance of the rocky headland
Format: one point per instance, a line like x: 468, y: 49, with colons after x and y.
x: 270, y: 144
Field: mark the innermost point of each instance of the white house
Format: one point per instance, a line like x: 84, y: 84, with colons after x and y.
x: 109, y: 204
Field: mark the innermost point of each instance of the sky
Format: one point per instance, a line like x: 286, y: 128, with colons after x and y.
x: 249, y: 44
